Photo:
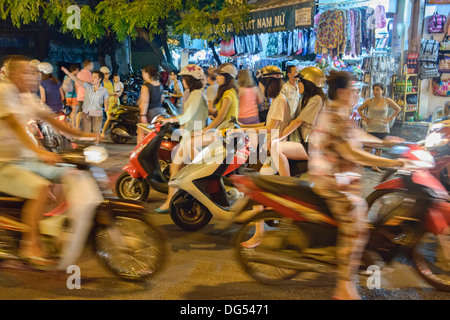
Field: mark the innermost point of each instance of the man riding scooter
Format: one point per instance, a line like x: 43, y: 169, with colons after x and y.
x: 26, y: 170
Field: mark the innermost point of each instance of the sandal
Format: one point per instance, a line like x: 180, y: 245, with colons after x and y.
x: 39, y: 263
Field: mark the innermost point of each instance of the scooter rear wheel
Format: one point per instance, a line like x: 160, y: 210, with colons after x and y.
x: 187, y: 212
x: 139, y: 191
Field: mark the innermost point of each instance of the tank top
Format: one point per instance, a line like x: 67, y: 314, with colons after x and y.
x: 52, y: 94
x: 248, y: 103
x: 155, y: 93
x: 378, y: 114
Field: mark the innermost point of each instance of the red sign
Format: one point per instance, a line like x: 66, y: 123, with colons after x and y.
x: 438, y: 1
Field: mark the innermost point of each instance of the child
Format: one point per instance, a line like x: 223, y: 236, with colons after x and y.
x: 118, y: 88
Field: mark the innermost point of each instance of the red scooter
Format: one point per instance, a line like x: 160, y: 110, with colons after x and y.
x: 437, y: 142
x: 300, y: 233
x: 149, y: 165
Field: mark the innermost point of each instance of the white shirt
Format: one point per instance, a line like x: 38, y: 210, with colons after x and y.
x: 195, y: 111
x: 24, y: 106
x: 279, y: 110
x: 309, y: 115
x: 293, y: 96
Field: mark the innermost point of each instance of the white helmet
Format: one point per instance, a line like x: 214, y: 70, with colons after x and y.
x: 227, y: 68
x: 45, y: 67
x: 104, y: 70
x: 193, y: 70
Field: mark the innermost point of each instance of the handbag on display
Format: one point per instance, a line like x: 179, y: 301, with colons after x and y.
x: 428, y: 70
x: 429, y: 50
x: 437, y: 23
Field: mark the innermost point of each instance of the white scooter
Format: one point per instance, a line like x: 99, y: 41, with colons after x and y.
x: 202, y: 193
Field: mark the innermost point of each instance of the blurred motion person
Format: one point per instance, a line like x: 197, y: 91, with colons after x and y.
x: 249, y: 98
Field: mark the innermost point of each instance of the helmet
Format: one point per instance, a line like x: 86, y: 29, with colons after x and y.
x: 227, y: 68
x: 314, y: 75
x: 45, y: 67
x: 269, y: 72
x: 193, y: 70
x: 34, y: 63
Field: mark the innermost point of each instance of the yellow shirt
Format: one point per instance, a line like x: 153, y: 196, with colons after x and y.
x: 233, y: 110
x: 110, y: 87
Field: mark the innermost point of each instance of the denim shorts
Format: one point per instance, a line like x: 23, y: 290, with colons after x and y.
x: 26, y: 178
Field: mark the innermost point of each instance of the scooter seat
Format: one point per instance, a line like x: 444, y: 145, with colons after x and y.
x: 292, y: 187
x: 130, y: 108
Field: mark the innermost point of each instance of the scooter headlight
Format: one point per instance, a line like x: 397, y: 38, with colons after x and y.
x: 95, y: 154
x: 435, y: 140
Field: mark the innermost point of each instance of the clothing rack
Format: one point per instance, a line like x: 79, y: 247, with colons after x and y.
x: 340, y: 4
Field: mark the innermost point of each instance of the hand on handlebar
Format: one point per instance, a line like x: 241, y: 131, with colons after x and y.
x: 48, y: 157
x: 390, y: 141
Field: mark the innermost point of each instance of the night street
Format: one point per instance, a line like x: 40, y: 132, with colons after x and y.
x: 200, y: 266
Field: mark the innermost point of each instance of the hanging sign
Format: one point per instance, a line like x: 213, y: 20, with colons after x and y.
x: 280, y: 18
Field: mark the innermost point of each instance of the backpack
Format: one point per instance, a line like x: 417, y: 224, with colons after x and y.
x: 437, y: 23
x: 68, y: 86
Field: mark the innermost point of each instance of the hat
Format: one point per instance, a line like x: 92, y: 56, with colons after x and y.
x: 227, y: 68
x: 45, y: 67
x: 192, y: 70
x: 314, y: 75
x: 104, y: 70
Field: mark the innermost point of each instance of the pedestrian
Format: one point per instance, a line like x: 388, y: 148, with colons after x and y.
x: 291, y: 89
x: 50, y: 88
x: 152, y: 96
x: 96, y: 96
x: 378, y: 118
x: 84, y: 75
x: 71, y: 94
x: 177, y: 95
x: 249, y: 98
x: 108, y: 85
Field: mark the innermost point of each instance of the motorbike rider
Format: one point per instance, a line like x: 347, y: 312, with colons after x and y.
x: 193, y: 119
x: 26, y: 170
x: 311, y: 81
x: 336, y: 151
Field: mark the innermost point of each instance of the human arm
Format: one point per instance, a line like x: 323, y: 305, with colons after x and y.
x: 42, y: 94
x: 143, y: 103
x: 19, y: 130
x: 73, y: 77
x: 361, y: 109
x: 396, y: 108
x: 364, y: 158
x: 226, y: 103
x: 61, y: 93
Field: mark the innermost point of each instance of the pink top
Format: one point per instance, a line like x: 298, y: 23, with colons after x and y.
x: 84, y: 75
x: 248, y: 102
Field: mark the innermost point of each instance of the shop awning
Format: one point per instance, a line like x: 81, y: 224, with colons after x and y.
x: 279, y: 15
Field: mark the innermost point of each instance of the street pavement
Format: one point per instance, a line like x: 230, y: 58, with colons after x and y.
x: 199, y: 266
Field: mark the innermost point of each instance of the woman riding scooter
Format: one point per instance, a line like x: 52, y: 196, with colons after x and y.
x: 193, y: 119
x: 311, y: 81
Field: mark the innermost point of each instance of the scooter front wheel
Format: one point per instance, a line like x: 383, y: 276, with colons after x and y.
x: 132, y: 248
x: 187, y: 212
x: 127, y: 188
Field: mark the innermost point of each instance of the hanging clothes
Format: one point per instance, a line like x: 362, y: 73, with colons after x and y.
x: 330, y: 33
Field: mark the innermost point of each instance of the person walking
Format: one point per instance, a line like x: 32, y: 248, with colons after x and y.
x: 177, y: 95
x: 108, y: 85
x: 377, y: 118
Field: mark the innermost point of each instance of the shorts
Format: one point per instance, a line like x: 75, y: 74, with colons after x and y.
x: 25, y: 178
x: 379, y: 135
x: 73, y: 102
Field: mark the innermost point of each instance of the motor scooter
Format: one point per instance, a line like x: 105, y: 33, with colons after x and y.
x: 122, y: 235
x: 300, y: 233
x: 149, y: 165
x: 204, y: 187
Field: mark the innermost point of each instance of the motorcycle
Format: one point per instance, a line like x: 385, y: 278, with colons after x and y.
x: 300, y: 233
x: 125, y: 120
x: 149, y: 164
x: 49, y: 137
x: 123, y: 237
